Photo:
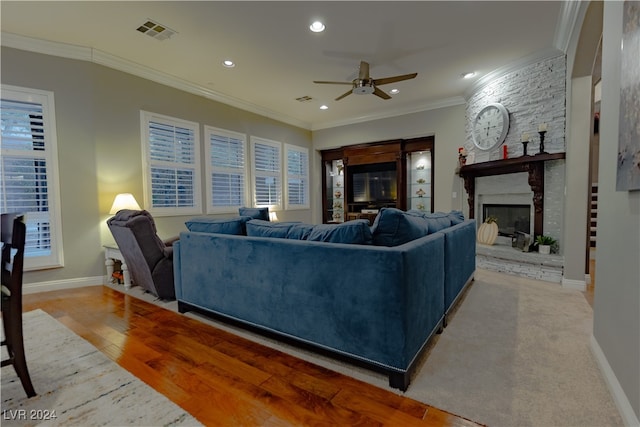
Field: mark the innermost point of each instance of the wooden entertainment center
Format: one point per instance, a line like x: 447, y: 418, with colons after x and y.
x: 358, y: 180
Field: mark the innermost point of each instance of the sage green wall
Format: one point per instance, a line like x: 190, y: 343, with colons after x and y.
x: 616, y: 325
x: 446, y: 124
x: 98, y: 129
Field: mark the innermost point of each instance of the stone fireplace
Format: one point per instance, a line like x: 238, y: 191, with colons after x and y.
x: 527, y: 194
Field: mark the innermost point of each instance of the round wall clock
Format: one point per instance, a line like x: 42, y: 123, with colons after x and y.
x: 490, y: 126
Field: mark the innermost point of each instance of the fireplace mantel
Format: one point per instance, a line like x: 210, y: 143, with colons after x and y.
x: 534, y: 165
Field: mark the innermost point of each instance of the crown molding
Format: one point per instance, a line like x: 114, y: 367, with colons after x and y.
x: 566, y: 23
x: 536, y: 57
x: 418, y: 108
x: 102, y: 58
x: 46, y: 47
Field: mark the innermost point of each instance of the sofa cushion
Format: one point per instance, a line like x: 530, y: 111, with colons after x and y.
x: 299, y: 231
x: 221, y: 226
x: 351, y: 232
x: 256, y: 213
x: 456, y: 217
x: 437, y: 221
x: 393, y: 227
x: 262, y: 228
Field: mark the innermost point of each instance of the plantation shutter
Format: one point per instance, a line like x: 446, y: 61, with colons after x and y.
x: 172, y: 146
x: 27, y: 170
x: 267, y: 173
x: 227, y: 170
x: 297, y: 177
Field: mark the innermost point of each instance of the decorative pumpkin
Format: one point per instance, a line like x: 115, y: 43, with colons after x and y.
x: 488, y: 231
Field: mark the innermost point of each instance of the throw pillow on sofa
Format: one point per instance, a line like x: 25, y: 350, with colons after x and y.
x: 262, y: 228
x: 456, y: 217
x: 393, y: 227
x: 436, y: 221
x: 355, y: 232
x: 256, y: 213
x: 221, y: 226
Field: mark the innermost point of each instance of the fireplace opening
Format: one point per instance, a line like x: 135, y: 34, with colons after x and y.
x: 510, y: 218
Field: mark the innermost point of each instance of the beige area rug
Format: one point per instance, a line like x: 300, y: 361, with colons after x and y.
x: 77, y: 385
x: 516, y: 352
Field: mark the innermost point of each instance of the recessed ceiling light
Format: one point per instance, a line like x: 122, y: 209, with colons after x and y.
x: 324, y: 107
x: 394, y: 91
x: 228, y: 63
x: 468, y: 75
x: 317, y: 27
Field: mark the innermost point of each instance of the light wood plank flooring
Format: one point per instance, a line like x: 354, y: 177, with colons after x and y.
x: 223, y: 379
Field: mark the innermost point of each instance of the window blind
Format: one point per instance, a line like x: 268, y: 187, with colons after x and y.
x: 171, y: 145
x: 297, y: 177
x: 267, y: 173
x: 226, y: 170
x: 28, y: 150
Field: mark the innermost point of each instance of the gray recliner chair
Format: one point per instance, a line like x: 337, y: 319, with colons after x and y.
x: 148, y: 258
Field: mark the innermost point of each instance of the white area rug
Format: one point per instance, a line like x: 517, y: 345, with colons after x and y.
x: 516, y: 352
x: 78, y: 385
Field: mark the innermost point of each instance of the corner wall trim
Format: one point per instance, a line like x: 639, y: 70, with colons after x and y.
x: 619, y: 397
x: 577, y: 285
x: 54, y: 285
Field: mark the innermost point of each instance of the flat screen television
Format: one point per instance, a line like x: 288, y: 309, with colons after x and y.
x: 373, y: 184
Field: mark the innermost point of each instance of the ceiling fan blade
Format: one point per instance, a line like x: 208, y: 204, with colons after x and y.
x: 343, y: 95
x: 387, y: 80
x: 332, y: 83
x: 363, y: 74
x: 381, y: 94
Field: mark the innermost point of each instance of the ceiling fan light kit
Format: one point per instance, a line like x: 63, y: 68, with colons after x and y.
x: 365, y: 85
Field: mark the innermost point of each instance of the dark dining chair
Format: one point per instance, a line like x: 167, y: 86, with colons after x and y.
x: 14, y: 233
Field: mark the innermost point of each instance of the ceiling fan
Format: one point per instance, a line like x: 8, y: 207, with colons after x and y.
x: 365, y: 85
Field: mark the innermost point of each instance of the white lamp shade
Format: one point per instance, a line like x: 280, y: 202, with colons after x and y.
x: 124, y: 201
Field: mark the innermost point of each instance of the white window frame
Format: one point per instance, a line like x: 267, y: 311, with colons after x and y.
x: 147, y: 163
x: 35, y: 259
x: 210, y: 169
x: 276, y: 174
x: 304, y: 177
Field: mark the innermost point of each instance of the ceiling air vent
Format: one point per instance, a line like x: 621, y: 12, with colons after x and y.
x: 155, y: 30
x: 305, y: 98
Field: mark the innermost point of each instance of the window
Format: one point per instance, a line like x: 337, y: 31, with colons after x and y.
x: 226, y: 170
x: 29, y: 171
x: 267, y: 174
x: 297, y: 167
x: 171, y: 159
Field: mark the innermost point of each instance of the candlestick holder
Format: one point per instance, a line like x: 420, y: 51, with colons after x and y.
x: 524, y: 148
x: 542, y: 142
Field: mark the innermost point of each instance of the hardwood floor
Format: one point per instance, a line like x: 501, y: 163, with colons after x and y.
x: 220, y: 378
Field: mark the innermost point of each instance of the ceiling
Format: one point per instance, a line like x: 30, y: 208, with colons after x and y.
x: 277, y: 57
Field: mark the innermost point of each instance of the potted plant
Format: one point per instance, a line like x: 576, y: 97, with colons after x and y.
x: 544, y: 243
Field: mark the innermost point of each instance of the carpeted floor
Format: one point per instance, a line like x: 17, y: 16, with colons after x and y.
x: 78, y: 385
x: 515, y: 353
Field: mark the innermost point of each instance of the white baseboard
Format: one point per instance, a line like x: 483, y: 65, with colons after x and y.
x: 54, y: 285
x: 587, y: 279
x: 619, y: 397
x: 578, y: 285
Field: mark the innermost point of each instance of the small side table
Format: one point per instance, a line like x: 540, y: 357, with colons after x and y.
x: 111, y: 254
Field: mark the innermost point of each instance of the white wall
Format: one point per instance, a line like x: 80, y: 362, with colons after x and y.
x: 100, y: 152
x: 447, y: 126
x: 616, y: 327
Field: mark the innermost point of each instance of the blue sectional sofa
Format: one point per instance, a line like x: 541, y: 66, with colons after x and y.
x: 374, y: 295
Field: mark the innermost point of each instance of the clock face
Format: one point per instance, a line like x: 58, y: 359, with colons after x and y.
x: 490, y: 126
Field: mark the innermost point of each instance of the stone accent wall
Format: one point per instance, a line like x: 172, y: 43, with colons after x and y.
x: 534, y: 94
